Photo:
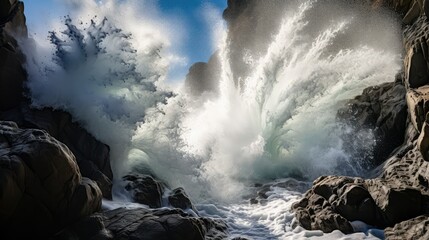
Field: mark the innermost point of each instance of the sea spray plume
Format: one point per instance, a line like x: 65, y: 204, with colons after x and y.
x: 95, y: 74
x: 280, y: 121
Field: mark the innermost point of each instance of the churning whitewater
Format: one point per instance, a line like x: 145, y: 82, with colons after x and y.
x: 276, y: 120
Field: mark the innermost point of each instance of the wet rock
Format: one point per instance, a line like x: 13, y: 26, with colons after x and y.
x: 381, y: 109
x: 41, y: 188
x: 149, y: 191
x: 335, y: 201
x: 168, y: 224
x: 416, y: 228
x: 178, y: 198
x: 315, y: 210
x: 145, y: 189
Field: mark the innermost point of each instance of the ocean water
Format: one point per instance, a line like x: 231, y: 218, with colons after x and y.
x: 275, y: 120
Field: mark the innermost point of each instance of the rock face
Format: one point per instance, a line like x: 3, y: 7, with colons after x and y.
x: 382, y: 109
x: 146, y: 224
x: 41, y: 188
x: 12, y: 74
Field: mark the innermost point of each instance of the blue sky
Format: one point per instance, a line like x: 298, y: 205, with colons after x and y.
x: 197, y: 45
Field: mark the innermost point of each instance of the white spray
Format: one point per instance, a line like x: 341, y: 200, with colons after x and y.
x: 280, y: 122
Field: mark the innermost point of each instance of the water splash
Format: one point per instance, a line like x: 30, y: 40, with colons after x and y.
x: 277, y: 120
x: 97, y: 74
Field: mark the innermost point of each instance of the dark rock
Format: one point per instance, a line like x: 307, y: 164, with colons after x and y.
x: 41, y: 188
x: 17, y: 24
x: 91, y: 227
x: 12, y: 74
x: 395, y: 202
x: 179, y: 199
x: 145, y: 189
x: 335, y: 201
x: 413, y: 12
x: 316, y: 212
x: 381, y: 108
x: 416, y: 68
x: 93, y: 156
x: 416, y: 228
x: 160, y: 224
x: 149, y: 191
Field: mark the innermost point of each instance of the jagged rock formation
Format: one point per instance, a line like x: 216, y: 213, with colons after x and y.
x: 398, y: 198
x: 41, y: 188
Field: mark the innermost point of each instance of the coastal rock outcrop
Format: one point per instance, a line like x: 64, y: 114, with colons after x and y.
x: 41, y: 188
x: 334, y: 202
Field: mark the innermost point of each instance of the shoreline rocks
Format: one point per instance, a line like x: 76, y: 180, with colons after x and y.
x: 41, y: 188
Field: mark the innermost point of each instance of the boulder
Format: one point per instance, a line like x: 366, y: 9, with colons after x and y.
x: 335, y: 201
x: 41, y: 188
x: 92, y: 156
x: 178, y: 198
x: 147, y: 190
